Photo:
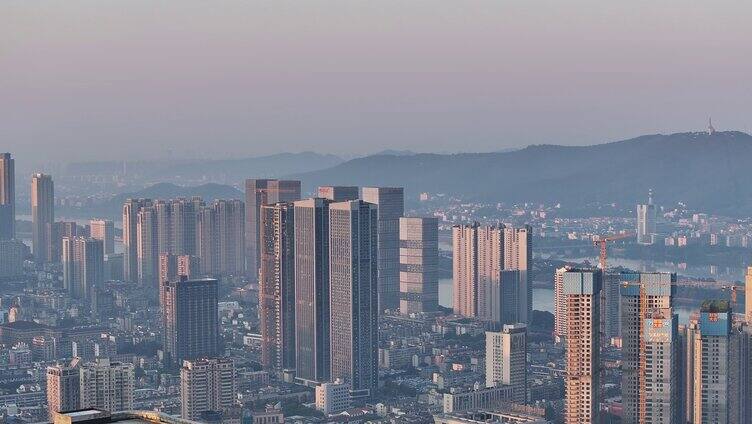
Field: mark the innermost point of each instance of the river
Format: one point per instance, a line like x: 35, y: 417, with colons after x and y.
x: 543, y: 300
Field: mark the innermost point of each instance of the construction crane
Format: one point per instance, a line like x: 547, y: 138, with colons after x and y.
x: 732, y: 289
x: 601, y: 242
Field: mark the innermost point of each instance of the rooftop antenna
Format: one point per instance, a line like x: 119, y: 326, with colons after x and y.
x: 650, y: 196
x: 711, y: 130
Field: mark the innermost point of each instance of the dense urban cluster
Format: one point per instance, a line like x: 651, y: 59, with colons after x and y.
x: 284, y: 308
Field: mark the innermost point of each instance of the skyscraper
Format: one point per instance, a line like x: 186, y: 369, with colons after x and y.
x: 7, y: 197
x: 63, y: 388
x: 419, y: 265
x: 660, y: 396
x: 560, y: 304
x: 713, y: 377
x: 492, y: 272
x: 219, y: 235
x: 183, y: 213
x: 610, y: 309
x: 263, y: 192
x: 748, y: 295
x: 581, y: 290
x: 338, y: 193
x: 465, y: 269
x: 353, y: 275
x: 191, y: 326
x: 642, y: 295
x: 168, y: 267
x: 107, y: 385
x: 42, y: 216
x: 277, y: 286
x: 506, y: 360
x: 207, y: 384
x: 231, y: 236
x: 147, y: 243
x: 690, y: 339
x: 518, y: 255
x: 207, y: 240
x: 104, y: 229
x: 312, y: 318
x: 83, y: 265
x: 130, y: 237
x: 391, y: 207
x: 646, y: 217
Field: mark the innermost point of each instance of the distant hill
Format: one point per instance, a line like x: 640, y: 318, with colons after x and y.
x: 231, y: 171
x: 113, y: 208
x: 208, y: 192
x: 709, y: 172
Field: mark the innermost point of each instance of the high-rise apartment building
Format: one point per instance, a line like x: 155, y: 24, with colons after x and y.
x: 646, y: 218
x: 518, y: 255
x: 7, y: 197
x: 190, y: 318
x: 107, y: 385
x: 42, y: 216
x: 263, y: 192
x: 506, y: 360
x: 60, y: 230
x: 748, y: 295
x: 231, y: 236
x: 332, y: 398
x: 277, y: 286
x: 130, y: 237
x: 147, y: 242
x: 103, y: 229
x: 660, y: 381
x: 689, y: 336
x: 391, y: 207
x: 338, y: 193
x: 63, y: 387
x: 419, y: 265
x: 560, y: 304
x: 713, y: 375
x: 465, y: 269
x: 581, y: 291
x: 492, y: 274
x: 611, y: 307
x: 207, y: 385
x: 219, y: 235
x: 168, y: 267
x: 189, y: 266
x: 312, y: 317
x: 642, y: 294
x: 83, y: 265
x: 353, y: 275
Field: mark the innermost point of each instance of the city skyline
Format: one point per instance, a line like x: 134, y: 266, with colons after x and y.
x: 384, y: 212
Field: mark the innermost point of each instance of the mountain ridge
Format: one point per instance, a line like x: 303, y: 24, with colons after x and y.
x: 706, y: 171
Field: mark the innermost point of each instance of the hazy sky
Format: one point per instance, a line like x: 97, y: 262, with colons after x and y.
x: 138, y: 78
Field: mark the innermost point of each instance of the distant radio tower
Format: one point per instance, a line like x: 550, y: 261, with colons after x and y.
x: 711, y: 130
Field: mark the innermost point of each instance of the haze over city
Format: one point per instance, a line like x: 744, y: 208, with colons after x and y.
x: 143, y: 79
x: 392, y: 212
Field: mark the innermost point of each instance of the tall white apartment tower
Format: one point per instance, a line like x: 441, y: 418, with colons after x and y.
x: 107, y: 385
x: 207, y: 385
x: 506, y: 360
